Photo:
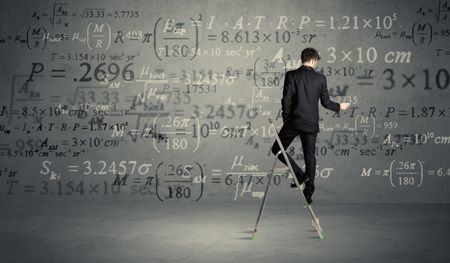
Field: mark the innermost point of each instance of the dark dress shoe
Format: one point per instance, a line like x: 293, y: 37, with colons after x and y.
x: 307, y: 195
x: 308, y: 199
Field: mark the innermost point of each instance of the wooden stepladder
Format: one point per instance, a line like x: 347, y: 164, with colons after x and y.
x: 315, y: 220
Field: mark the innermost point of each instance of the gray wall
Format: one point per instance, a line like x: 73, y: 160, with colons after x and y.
x: 189, y: 88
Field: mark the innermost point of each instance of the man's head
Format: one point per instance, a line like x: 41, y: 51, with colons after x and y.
x: 310, y: 56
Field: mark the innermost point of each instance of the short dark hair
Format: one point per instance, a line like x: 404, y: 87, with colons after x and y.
x: 308, y: 54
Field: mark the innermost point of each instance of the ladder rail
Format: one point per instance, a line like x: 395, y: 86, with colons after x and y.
x: 261, y: 209
x: 315, y: 220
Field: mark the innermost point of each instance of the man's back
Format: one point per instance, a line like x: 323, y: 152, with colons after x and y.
x: 302, y: 90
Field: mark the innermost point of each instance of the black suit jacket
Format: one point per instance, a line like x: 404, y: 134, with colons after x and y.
x: 303, y: 87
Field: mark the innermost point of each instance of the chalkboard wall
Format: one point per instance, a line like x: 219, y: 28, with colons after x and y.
x: 168, y: 101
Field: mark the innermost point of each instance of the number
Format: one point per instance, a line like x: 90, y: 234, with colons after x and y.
x: 25, y: 111
x: 91, y: 96
x: 390, y: 78
x: 115, y: 72
x: 271, y: 81
x: 286, y: 36
x: 98, y: 71
x: 115, y: 189
x: 102, y: 170
x: 59, y: 188
x: 112, y: 167
x: 390, y: 125
x: 446, y: 79
x: 406, y: 180
x: 378, y: 22
x: 183, y: 50
x: 355, y: 20
x: 100, y: 74
x: 225, y: 38
x: 70, y: 186
x: 442, y: 83
x: 349, y: 72
x: 203, y: 132
x: 387, y: 22
x: 126, y: 72
x: 256, y: 36
x: 88, y: 167
x: 196, y: 112
x: 220, y: 112
x: 82, y: 97
x: 323, y: 150
x: 177, y: 144
x: 88, y: 68
x: 333, y: 55
x: 123, y: 167
x: 228, y: 180
x: 80, y: 188
x: 180, y: 192
x: 20, y: 145
x: 230, y: 109
x: 179, y: 170
x: 134, y: 166
x: 345, y: 26
x: 96, y: 141
x: 252, y: 113
x: 277, y: 179
x: 116, y: 97
x: 105, y: 184
x: 106, y: 97
x: 432, y: 111
x: 427, y: 79
x: 345, y: 136
x: 338, y: 139
x: 242, y: 107
x: 187, y: 77
x: 368, y: 55
x: 44, y: 187
x: 210, y: 116
x: 374, y: 54
x: 238, y: 37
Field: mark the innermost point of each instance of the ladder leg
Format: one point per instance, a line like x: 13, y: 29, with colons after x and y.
x: 263, y: 203
x: 316, y: 220
x: 311, y: 212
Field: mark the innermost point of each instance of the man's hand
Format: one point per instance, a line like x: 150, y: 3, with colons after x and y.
x: 344, y: 105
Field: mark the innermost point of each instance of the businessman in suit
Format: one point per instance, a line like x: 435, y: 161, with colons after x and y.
x: 303, y: 87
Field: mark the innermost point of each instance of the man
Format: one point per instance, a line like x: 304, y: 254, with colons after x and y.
x: 302, y: 90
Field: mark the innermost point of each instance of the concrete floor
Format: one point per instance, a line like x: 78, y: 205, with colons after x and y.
x: 220, y: 232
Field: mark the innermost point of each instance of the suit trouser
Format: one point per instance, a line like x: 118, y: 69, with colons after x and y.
x: 287, y: 134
